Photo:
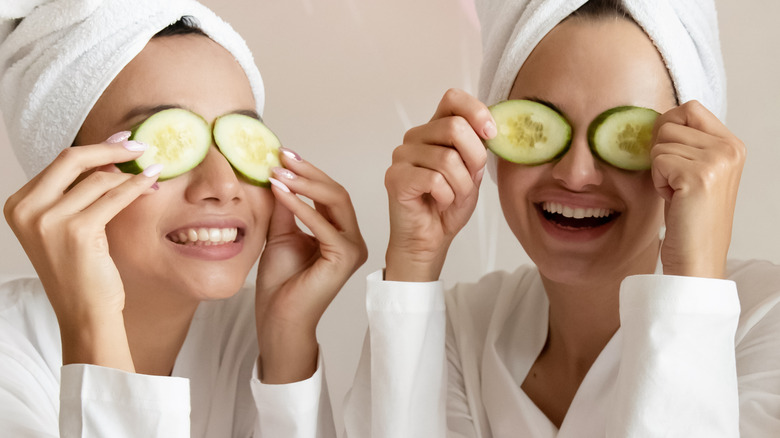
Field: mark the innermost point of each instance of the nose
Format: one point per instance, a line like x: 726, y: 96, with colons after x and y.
x: 213, y: 180
x: 578, y: 168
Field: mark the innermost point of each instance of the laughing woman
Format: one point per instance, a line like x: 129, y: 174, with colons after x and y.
x: 616, y: 330
x: 138, y: 324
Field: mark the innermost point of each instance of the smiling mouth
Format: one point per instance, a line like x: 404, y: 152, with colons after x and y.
x: 576, y: 218
x: 205, y: 236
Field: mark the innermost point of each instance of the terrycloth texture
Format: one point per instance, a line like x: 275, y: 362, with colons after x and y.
x: 64, y: 53
x: 685, y: 33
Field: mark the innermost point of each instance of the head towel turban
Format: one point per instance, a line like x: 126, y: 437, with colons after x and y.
x: 685, y: 32
x: 58, y: 56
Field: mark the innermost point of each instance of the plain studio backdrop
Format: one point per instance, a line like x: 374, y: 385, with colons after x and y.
x: 346, y: 78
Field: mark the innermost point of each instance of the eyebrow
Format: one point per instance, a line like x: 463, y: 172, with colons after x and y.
x: 147, y: 111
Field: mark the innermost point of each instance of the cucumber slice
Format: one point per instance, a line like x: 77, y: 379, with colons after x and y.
x: 528, y: 132
x: 250, y: 147
x: 622, y: 136
x: 178, y: 139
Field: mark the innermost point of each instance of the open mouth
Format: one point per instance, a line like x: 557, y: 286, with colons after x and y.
x: 576, y: 218
x: 205, y: 236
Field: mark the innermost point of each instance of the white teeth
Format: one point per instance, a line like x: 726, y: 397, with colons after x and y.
x: 576, y: 213
x: 205, y: 236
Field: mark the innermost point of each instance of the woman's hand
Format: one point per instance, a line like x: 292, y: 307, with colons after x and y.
x: 60, y: 219
x: 433, y: 186
x: 697, y: 164
x: 299, y: 274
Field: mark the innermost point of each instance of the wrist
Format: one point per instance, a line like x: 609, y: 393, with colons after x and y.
x: 413, y: 266
x: 287, y: 357
x: 98, y: 341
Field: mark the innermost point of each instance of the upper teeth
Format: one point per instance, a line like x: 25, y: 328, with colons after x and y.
x: 207, y: 236
x: 576, y: 213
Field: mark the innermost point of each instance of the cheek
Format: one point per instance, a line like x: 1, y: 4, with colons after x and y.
x: 515, y: 182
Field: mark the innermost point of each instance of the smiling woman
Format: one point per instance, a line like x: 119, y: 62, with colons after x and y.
x: 138, y: 323
x: 617, y: 328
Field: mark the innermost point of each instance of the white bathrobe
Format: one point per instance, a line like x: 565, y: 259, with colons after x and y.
x: 685, y: 362
x: 214, y: 391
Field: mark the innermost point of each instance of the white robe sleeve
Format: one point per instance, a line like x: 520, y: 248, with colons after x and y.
x: 400, y: 389
x: 677, y: 373
x: 294, y: 410
x: 99, y: 402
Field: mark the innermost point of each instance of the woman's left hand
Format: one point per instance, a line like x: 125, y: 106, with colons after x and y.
x: 696, y: 167
x: 299, y: 274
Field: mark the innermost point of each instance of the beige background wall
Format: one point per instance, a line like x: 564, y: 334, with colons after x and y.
x: 346, y: 78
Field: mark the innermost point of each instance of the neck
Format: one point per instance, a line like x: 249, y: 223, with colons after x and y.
x: 585, y: 315
x: 157, y: 324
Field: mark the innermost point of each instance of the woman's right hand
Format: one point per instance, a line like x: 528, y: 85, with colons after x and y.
x: 433, y: 186
x: 59, y: 218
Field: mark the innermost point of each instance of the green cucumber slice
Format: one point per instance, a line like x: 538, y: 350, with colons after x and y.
x: 622, y: 136
x: 528, y: 132
x: 178, y: 139
x: 250, y: 147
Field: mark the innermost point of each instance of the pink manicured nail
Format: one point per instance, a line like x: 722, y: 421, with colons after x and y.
x: 291, y: 154
x: 155, y: 186
x: 119, y: 136
x: 135, y: 146
x: 284, y: 173
x: 490, y: 130
x: 153, y: 170
x: 280, y: 185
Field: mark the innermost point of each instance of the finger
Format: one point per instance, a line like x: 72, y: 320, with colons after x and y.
x: 682, y: 150
x: 675, y: 133
x: 115, y: 200
x: 333, y: 200
x: 444, y: 160
x: 694, y: 115
x: 73, y: 161
x: 455, y: 132
x: 323, y: 230
x: 411, y: 184
x: 86, y: 192
x: 459, y: 103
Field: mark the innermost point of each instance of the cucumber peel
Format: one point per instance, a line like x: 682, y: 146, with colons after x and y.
x: 178, y: 139
x: 250, y: 147
x: 528, y: 132
x: 622, y: 136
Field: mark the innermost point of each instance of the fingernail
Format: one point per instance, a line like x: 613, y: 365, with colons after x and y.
x: 290, y: 154
x: 119, y: 136
x: 155, y: 186
x: 135, y: 146
x: 153, y: 169
x: 284, y: 173
x: 280, y: 185
x: 490, y: 130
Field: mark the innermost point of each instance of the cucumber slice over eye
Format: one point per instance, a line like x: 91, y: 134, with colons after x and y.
x: 178, y: 139
x: 250, y: 147
x: 622, y: 136
x: 528, y: 132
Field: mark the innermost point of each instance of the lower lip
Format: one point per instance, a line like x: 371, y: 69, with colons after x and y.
x: 573, y: 234
x: 224, y: 251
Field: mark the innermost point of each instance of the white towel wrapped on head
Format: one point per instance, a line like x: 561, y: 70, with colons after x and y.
x: 58, y: 56
x: 684, y: 31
